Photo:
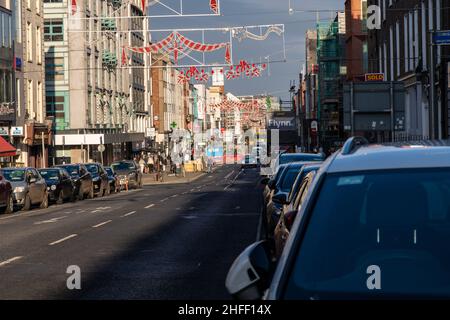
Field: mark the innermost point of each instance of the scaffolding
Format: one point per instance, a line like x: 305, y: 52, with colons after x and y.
x: 330, y: 53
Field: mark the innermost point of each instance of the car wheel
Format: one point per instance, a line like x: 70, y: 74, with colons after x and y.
x: 26, y: 203
x: 108, y: 190
x: 10, y: 204
x: 44, y: 203
x: 60, y: 198
x: 91, y: 193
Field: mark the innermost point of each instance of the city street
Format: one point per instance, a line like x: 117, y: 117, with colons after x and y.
x: 161, y: 242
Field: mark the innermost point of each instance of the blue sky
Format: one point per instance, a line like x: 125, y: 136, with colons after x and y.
x: 254, y: 12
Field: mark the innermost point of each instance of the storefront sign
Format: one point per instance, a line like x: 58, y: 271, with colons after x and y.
x: 17, y: 131
x: 151, y: 132
x: 374, y: 77
x: 4, y: 131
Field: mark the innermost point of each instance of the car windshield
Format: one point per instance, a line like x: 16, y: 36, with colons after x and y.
x: 123, y: 166
x: 288, y: 179
x: 92, y: 168
x: 14, y: 175
x: 390, y: 227
x: 50, y: 174
x: 299, y: 157
x: 72, y: 170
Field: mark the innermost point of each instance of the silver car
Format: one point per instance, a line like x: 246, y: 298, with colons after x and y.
x: 29, y: 188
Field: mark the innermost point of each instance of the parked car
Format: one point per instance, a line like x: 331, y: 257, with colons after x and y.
x: 113, y: 179
x: 270, y: 184
x: 249, y: 161
x: 29, y: 188
x: 129, y: 173
x: 286, y: 158
x: 99, y: 179
x: 373, y: 218
x: 82, y: 178
x: 60, y: 186
x: 279, y: 194
x: 6, y: 196
x: 292, y: 206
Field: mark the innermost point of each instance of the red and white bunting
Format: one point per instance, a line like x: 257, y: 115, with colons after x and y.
x: 74, y: 7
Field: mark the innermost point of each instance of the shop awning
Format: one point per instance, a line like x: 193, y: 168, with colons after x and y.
x: 6, y: 149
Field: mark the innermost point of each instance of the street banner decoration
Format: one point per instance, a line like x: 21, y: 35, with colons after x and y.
x: 177, y: 44
x: 245, y: 69
x: 143, y: 6
x: 213, y: 5
x: 243, y: 33
x: 124, y: 57
x: 74, y: 7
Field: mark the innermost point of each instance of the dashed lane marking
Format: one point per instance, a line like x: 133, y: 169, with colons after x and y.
x: 129, y: 214
x: 102, y: 224
x: 9, y: 261
x: 63, y: 239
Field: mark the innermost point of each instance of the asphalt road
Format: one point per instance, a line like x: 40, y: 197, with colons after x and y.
x: 161, y: 242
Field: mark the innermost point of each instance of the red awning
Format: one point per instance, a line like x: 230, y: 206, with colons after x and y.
x: 6, y: 150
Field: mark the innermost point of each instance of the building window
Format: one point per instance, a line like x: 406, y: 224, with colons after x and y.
x: 54, y: 69
x: 53, y: 30
x: 39, y: 101
x: 30, y: 99
x: 38, y: 45
x: 55, y: 107
x: 29, y: 48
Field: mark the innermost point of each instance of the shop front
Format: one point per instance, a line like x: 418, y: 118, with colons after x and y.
x: 38, y: 138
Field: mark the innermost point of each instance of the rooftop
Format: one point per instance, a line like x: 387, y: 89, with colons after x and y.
x: 379, y: 157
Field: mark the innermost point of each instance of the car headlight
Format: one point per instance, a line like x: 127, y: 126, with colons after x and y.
x: 53, y: 187
x: 19, y: 189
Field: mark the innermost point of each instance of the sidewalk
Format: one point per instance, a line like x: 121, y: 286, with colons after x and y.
x: 149, y: 179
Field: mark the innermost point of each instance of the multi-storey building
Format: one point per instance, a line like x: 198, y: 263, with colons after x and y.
x: 402, y: 50
x: 33, y: 129
x: 93, y: 98
x: 8, y: 103
x: 330, y: 60
x: 356, y: 47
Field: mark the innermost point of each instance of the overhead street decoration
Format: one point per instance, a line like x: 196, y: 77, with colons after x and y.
x: 176, y: 45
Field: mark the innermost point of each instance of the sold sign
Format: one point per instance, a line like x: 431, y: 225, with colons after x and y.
x: 374, y: 77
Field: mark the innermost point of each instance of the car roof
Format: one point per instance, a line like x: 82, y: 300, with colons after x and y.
x: 385, y: 157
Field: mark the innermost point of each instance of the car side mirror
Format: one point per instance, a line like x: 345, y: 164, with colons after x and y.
x: 280, y: 198
x: 251, y: 273
x: 265, y: 181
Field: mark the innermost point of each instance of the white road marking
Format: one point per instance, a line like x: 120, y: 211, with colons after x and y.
x: 63, y: 239
x: 50, y: 221
x: 164, y: 200
x: 9, y: 261
x: 237, y: 208
x: 149, y: 206
x: 129, y: 214
x: 234, y: 180
x: 102, y: 224
x: 229, y: 175
x: 174, y: 196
